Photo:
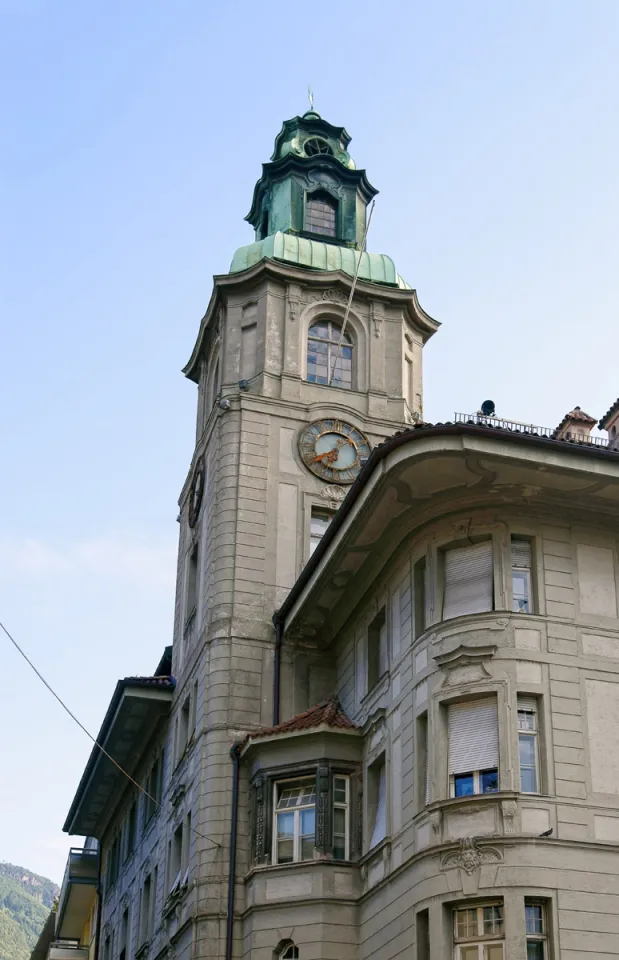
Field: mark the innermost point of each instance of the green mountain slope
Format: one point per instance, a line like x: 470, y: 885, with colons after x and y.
x: 25, y: 901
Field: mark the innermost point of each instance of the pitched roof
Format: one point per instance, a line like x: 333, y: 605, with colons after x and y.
x: 576, y: 416
x: 328, y: 714
x: 609, y: 415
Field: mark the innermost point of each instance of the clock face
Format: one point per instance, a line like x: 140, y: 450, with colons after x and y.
x: 333, y: 450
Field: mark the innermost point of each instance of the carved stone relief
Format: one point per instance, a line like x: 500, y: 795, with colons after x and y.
x: 469, y: 856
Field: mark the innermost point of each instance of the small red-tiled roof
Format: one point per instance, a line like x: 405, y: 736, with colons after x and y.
x: 576, y: 415
x: 328, y: 714
x: 609, y: 415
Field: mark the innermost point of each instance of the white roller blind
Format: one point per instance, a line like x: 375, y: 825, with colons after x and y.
x: 527, y: 703
x: 473, y: 736
x: 468, y: 580
x: 380, y: 821
x: 521, y: 554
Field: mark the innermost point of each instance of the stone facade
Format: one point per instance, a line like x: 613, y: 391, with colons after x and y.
x: 363, y: 621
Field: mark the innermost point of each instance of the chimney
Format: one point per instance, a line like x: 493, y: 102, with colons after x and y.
x: 576, y: 425
x: 610, y: 423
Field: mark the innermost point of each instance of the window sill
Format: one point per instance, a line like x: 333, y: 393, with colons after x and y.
x: 380, y: 687
x: 378, y: 848
x: 482, y: 798
x: 259, y: 869
x: 142, y: 950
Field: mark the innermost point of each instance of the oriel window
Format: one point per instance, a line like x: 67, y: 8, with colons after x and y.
x: 295, y: 820
x: 321, y: 214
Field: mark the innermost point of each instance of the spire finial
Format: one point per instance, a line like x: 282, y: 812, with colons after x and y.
x: 310, y: 96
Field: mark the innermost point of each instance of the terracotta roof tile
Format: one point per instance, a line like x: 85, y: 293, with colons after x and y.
x: 609, y: 415
x: 576, y: 416
x: 328, y: 714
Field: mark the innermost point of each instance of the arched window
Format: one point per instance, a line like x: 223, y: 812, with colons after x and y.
x: 321, y: 214
x: 291, y: 952
x: 326, y: 357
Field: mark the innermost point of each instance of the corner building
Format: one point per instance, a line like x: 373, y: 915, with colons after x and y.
x: 388, y: 728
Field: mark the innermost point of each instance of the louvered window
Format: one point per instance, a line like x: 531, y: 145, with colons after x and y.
x: 473, y: 747
x: 528, y: 747
x: 521, y: 576
x: 468, y: 580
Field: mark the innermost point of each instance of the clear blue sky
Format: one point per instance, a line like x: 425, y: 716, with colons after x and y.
x: 132, y: 135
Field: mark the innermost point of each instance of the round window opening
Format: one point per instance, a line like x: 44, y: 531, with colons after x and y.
x: 315, y: 146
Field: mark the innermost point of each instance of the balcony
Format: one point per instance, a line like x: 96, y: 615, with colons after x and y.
x: 67, y: 950
x: 78, y: 891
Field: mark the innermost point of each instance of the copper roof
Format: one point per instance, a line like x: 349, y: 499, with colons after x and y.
x: 576, y: 416
x: 609, y: 415
x: 328, y: 714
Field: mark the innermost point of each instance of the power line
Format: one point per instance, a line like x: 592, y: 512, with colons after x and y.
x: 90, y: 736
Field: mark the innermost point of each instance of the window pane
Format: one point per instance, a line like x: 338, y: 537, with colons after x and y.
x: 285, y: 825
x: 527, y: 750
x: 520, y: 581
x: 493, y: 951
x: 535, y: 950
x: 489, y: 781
x: 464, y: 785
x: 469, y: 953
x: 307, y: 848
x: 466, y: 924
x: 339, y: 821
x: 493, y: 921
x: 528, y: 780
x: 526, y: 720
x: 534, y: 918
x: 339, y: 790
x: 285, y: 851
x: 308, y: 823
x: 339, y: 848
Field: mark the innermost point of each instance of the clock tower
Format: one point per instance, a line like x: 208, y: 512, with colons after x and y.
x: 309, y: 354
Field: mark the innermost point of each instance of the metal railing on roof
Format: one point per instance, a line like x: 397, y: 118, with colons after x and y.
x: 531, y: 430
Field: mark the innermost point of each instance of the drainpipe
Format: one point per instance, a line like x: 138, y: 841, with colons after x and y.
x: 279, y: 636
x: 236, y: 762
x: 99, y: 905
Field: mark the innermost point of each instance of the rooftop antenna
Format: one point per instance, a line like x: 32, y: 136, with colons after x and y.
x: 351, y: 295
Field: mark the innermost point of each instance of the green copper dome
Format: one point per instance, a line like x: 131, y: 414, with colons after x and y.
x: 317, y: 255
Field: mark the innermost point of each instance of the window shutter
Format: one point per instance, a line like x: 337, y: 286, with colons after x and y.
x: 468, y: 580
x: 527, y: 703
x: 380, y: 821
x: 473, y: 736
x: 521, y: 554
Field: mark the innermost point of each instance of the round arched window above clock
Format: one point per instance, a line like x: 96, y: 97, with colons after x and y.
x: 333, y: 450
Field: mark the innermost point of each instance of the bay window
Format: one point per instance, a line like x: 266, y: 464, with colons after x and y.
x: 468, y: 580
x: 473, y: 747
x: 479, y: 933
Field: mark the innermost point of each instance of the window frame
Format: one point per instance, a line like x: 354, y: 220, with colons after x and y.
x: 318, y: 194
x: 297, y: 837
x: 542, y: 935
x: 332, y: 341
x: 477, y: 781
x: 341, y: 805
x: 376, y: 773
x: 479, y: 939
x: 518, y: 570
x: 376, y: 649
x: 534, y: 735
x: 317, y: 509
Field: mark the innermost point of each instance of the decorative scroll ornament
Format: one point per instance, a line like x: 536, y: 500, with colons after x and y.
x: 196, y: 493
x: 509, y: 809
x: 469, y: 856
x: 331, y: 295
x: 331, y: 492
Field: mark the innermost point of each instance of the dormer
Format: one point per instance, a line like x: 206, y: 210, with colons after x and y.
x: 610, y: 423
x: 576, y: 425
